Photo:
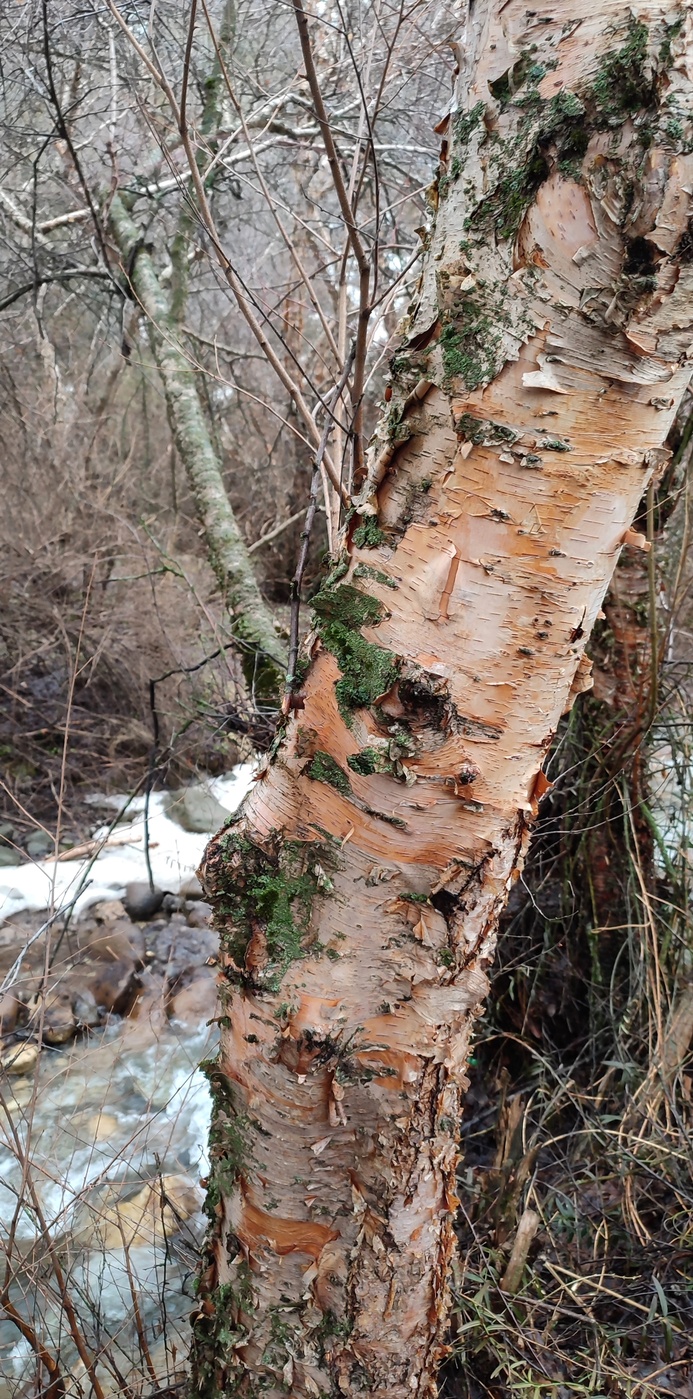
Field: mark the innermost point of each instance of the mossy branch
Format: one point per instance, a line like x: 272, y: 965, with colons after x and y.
x: 264, y: 659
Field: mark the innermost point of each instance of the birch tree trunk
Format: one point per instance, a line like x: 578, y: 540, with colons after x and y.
x: 264, y: 659
x: 358, y: 893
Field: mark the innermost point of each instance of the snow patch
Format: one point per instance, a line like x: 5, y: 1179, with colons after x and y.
x: 174, y: 854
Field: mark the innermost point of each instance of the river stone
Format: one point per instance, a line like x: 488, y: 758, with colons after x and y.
x: 198, y: 1002
x: 9, y: 1010
x: 173, y: 903
x: 39, y: 844
x: 85, y: 1009
x: 19, y: 1059
x: 58, y: 1020
x: 178, y: 947
x: 195, y: 809
x: 9, y: 857
x: 112, y: 985
x: 192, y: 889
x: 141, y: 901
x: 146, y: 1017
x: 148, y: 1218
x: 200, y: 915
x: 102, y: 1126
x: 108, y: 910
x: 119, y: 941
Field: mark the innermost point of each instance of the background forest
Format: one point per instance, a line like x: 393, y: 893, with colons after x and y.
x: 180, y: 319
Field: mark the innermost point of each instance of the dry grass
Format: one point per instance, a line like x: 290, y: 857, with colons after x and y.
x: 580, y: 1107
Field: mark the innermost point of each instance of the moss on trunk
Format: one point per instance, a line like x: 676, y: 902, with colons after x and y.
x: 262, y: 652
x: 544, y: 360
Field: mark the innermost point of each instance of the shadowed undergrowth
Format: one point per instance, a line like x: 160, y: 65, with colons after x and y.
x: 578, y: 1119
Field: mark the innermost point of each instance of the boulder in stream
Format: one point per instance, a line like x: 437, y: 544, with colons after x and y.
x: 196, y: 809
x: 148, y: 1218
x: 59, y: 1025
x: 9, y: 1010
x: 198, y: 1002
x: 141, y: 901
x: 19, y: 1058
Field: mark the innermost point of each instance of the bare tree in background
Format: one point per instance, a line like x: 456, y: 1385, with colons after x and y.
x: 161, y: 158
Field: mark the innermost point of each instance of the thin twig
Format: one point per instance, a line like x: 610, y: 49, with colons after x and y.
x: 274, y: 533
x: 353, y: 235
x: 305, y: 538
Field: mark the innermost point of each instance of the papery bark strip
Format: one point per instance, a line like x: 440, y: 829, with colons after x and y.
x: 358, y: 893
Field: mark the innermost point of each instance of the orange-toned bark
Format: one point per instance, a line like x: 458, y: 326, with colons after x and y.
x: 540, y: 375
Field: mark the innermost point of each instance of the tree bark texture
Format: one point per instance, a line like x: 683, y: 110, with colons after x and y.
x: 357, y: 894
x: 264, y: 660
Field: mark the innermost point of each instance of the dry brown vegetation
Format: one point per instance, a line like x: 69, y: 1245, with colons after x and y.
x: 99, y: 534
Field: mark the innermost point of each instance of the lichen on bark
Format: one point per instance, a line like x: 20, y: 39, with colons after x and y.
x: 261, y: 649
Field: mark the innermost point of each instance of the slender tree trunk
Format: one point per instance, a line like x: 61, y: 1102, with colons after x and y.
x: 264, y: 660
x: 358, y: 893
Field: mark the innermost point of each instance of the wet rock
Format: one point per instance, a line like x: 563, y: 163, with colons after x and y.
x: 9, y: 1010
x: 150, y: 1217
x: 102, y: 1126
x: 58, y: 1022
x: 178, y: 947
x: 119, y: 941
x: 15, y: 937
x: 107, y: 911
x: 8, y: 856
x: 147, y: 1018
x: 85, y: 1009
x: 113, y: 985
x: 39, y: 844
x: 142, y: 902
x: 19, y: 1058
x: 200, y: 915
x: 152, y: 931
x: 196, y: 809
x: 173, y: 903
x: 192, y: 889
x: 198, y: 1001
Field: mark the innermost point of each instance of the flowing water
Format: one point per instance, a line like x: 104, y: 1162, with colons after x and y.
x: 102, y: 1149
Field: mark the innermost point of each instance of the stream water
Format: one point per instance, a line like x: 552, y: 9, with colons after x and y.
x: 102, y: 1149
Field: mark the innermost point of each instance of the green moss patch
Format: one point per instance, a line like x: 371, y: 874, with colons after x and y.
x: 323, y: 768
x: 505, y: 208
x: 623, y: 85
x: 271, y: 890
x: 364, y: 570
x: 217, y: 1332
x: 483, y: 432
x: 368, y: 535
x: 348, y: 607
x: 467, y: 122
x: 367, y: 670
x: 471, y: 344
x: 523, y: 162
x: 385, y: 755
x: 229, y: 1141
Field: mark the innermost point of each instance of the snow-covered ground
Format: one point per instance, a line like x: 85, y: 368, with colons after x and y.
x: 174, y: 853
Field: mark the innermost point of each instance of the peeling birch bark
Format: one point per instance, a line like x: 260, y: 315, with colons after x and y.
x: 262, y: 653
x: 358, y: 893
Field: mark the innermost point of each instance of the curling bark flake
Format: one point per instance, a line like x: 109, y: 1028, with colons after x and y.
x: 358, y: 893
